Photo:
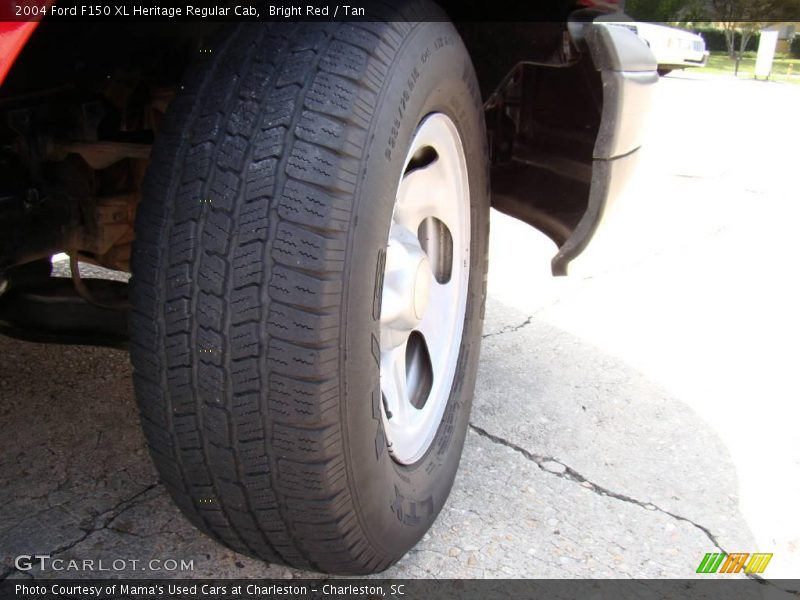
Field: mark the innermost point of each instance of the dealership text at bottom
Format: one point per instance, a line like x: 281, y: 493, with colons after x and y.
x: 209, y: 590
x: 26, y: 562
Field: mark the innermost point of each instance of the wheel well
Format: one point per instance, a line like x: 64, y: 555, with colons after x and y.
x: 543, y: 105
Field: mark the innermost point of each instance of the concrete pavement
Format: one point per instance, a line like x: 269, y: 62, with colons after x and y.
x: 627, y: 420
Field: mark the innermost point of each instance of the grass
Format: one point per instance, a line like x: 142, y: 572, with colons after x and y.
x: 784, y: 67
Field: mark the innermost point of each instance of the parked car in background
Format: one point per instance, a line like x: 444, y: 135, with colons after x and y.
x: 673, y: 48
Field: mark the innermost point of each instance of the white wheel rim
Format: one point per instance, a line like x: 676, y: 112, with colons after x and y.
x: 424, y: 288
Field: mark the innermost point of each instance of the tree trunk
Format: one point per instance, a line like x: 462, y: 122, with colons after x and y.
x: 745, y: 40
x: 746, y: 35
x: 729, y: 42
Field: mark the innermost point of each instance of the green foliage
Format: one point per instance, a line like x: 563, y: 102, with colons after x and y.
x: 744, y: 11
x: 794, y: 49
x: 665, y: 11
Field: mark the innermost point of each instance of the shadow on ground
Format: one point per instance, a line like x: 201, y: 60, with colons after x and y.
x: 575, y: 466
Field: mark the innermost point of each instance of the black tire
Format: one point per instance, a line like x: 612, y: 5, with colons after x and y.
x: 258, y: 251
x: 662, y: 71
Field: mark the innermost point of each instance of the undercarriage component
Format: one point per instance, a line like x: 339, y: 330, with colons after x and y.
x: 32, y: 225
x: 98, y: 155
x: 85, y: 291
x: 72, y: 156
x: 78, y: 197
x: 35, y: 226
x: 106, y: 234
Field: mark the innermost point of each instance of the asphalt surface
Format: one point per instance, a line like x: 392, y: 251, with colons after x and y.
x: 627, y: 419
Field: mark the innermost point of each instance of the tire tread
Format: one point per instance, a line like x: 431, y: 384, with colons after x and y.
x: 241, y: 240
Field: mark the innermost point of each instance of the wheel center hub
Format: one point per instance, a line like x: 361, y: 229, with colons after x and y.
x: 422, y: 288
x: 406, y: 287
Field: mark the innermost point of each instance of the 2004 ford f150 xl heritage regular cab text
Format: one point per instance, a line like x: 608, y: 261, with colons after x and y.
x: 304, y: 208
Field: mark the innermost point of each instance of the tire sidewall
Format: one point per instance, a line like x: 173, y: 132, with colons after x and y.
x: 396, y: 504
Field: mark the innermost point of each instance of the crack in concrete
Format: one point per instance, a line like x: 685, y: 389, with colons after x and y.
x: 510, y: 328
x: 11, y: 570
x: 100, y: 522
x: 545, y: 462
x: 572, y: 475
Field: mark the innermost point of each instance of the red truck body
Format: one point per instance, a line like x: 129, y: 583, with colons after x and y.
x: 13, y: 37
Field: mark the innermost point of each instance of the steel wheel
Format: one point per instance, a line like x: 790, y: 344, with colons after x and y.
x: 424, y: 288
